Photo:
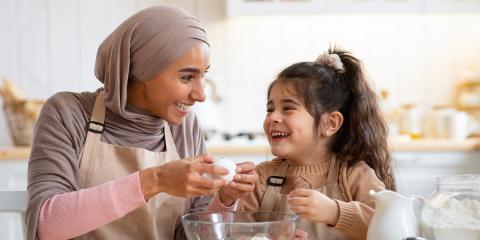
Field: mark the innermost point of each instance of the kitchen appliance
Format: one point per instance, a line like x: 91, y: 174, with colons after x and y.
x: 240, y: 225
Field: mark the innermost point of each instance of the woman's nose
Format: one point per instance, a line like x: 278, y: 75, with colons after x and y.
x: 198, y: 93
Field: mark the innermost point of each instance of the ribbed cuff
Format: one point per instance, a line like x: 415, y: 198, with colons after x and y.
x: 345, y: 219
x: 136, y: 186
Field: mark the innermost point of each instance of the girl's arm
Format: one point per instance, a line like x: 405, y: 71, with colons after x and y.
x: 355, y: 215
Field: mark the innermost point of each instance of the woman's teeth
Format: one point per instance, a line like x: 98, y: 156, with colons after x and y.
x: 182, y: 107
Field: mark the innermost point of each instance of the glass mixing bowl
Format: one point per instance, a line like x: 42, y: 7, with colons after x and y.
x: 240, y: 226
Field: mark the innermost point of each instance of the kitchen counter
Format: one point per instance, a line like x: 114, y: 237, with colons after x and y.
x: 421, y: 145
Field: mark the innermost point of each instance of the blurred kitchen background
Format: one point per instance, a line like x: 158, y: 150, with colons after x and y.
x: 423, y: 57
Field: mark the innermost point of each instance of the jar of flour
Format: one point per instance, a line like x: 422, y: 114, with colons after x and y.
x: 452, y: 211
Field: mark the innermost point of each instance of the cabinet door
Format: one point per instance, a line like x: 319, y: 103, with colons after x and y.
x: 275, y: 7
x: 376, y: 6
x: 452, y: 6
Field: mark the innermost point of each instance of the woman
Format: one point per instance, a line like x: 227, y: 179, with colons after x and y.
x: 105, y: 165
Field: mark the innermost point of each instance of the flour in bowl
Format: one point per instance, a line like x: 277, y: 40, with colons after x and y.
x: 259, y: 238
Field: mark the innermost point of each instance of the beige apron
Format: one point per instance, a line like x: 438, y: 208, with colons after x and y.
x: 318, y: 231
x: 102, y: 162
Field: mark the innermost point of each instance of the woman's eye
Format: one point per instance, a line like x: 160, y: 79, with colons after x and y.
x: 187, y: 78
x: 288, y: 108
x: 269, y: 109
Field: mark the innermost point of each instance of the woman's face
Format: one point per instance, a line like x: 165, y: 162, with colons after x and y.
x: 172, y: 93
x: 288, y: 125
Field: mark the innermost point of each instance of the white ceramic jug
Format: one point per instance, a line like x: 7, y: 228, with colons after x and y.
x: 396, y: 216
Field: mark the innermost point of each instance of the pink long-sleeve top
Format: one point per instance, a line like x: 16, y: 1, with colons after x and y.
x: 68, y: 215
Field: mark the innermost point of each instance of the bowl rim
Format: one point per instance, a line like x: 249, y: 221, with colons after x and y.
x: 293, y: 216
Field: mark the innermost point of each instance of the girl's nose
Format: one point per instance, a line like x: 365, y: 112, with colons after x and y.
x: 274, y: 117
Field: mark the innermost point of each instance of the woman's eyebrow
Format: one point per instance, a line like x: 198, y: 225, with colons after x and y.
x: 192, y: 69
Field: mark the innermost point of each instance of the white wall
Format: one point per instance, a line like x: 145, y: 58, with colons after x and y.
x: 50, y: 45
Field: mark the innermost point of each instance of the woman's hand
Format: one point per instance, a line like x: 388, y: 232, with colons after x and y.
x: 182, y: 178
x: 314, y: 206
x: 243, y: 183
x: 300, y: 235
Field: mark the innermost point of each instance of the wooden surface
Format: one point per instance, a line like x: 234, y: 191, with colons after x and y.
x: 423, y: 145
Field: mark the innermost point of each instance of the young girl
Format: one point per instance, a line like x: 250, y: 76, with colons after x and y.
x: 325, y: 128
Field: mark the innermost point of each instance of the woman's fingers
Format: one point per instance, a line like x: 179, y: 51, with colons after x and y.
x: 209, y: 168
x: 196, y: 179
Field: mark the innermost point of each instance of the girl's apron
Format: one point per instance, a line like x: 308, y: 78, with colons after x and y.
x: 102, y: 162
x: 272, y: 201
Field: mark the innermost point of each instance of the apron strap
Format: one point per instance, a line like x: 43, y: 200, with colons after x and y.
x: 274, y: 185
x: 332, y: 176
x: 169, y: 143
x: 96, y: 124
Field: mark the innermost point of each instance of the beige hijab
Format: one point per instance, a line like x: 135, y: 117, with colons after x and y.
x: 139, y: 49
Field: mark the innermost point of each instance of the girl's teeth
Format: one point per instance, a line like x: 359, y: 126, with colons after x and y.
x: 278, y: 134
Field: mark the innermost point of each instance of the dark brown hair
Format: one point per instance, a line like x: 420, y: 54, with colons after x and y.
x: 363, y: 135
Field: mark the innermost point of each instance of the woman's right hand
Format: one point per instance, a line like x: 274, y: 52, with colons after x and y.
x: 182, y: 178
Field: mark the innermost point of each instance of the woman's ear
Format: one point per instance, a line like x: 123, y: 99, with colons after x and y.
x: 331, y: 122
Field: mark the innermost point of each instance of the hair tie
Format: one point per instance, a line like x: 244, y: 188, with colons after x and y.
x: 332, y: 61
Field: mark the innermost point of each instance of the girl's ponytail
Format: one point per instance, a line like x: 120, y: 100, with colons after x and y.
x: 363, y: 135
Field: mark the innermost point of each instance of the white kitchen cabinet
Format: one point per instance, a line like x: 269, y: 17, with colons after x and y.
x: 288, y: 7
x: 274, y: 7
x: 13, y: 176
x: 452, y: 6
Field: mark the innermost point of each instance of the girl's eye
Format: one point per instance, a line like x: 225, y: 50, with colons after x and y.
x: 269, y: 109
x: 288, y: 108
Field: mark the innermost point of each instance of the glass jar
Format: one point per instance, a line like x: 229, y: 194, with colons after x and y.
x: 452, y: 211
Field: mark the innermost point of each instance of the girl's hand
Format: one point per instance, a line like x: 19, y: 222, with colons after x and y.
x: 243, y: 183
x: 182, y: 178
x: 314, y: 206
x: 300, y: 235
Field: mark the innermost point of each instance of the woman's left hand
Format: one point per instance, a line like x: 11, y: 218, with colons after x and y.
x: 243, y: 183
x: 314, y: 206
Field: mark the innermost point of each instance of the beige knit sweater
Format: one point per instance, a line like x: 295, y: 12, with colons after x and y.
x: 355, y: 182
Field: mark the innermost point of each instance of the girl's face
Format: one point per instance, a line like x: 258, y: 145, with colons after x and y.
x: 288, y: 125
x: 172, y: 93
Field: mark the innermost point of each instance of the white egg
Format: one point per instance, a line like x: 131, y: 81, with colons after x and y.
x: 229, y: 165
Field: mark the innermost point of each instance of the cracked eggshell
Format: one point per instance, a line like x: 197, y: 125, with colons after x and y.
x: 229, y: 165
